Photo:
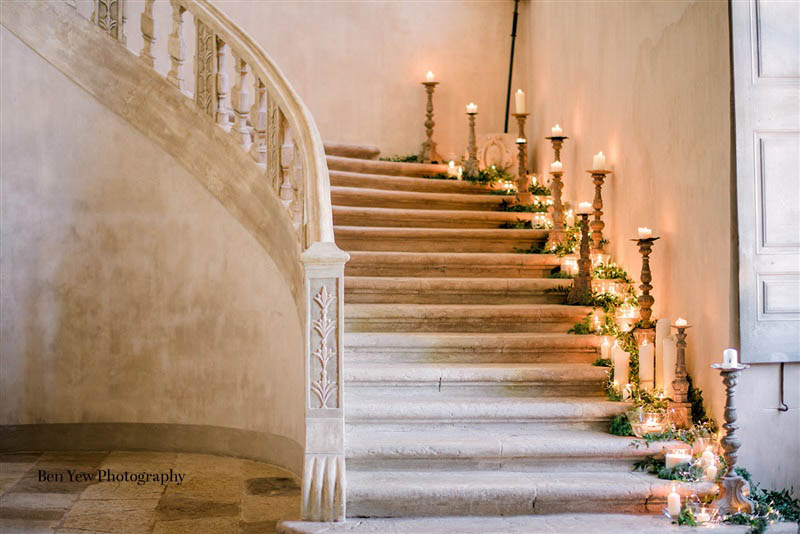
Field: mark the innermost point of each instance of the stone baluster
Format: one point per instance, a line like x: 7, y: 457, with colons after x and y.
x: 223, y: 119
x: 298, y: 181
x: 148, y: 26
x: 286, y: 192
x: 557, y: 234
x: 206, y: 68
x: 177, y: 47
x: 681, y: 407
x: 324, y: 483
x: 241, y: 131
x: 274, y: 132
x: 259, y: 147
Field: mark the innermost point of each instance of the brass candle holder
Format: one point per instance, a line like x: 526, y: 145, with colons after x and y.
x: 557, y: 234
x: 581, y: 291
x: 524, y: 195
x: 597, y: 225
x: 471, y: 165
x: 734, y: 491
x: 558, y: 142
x: 429, y: 153
x: 681, y: 407
x: 646, y: 300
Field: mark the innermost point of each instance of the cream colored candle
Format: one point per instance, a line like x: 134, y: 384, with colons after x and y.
x: 621, y: 361
x: 519, y: 100
x: 662, y: 333
x: 472, y: 108
x: 707, y: 458
x: 646, y: 364
x: 710, y: 473
x: 584, y: 208
x: 557, y: 131
x: 668, y: 360
x: 677, y: 458
x: 429, y: 76
x: 730, y: 358
x: 599, y: 161
x: 645, y: 232
x: 556, y: 166
x: 605, y: 349
x: 674, y: 503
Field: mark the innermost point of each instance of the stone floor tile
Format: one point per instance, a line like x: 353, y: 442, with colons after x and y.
x: 172, y: 507
x: 201, y: 485
x: 7, y: 480
x: 213, y: 525
x: 274, y: 486
x: 132, y: 516
x: 256, y: 509
x: 259, y: 527
x: 26, y: 526
x: 251, y: 469
x: 208, y: 464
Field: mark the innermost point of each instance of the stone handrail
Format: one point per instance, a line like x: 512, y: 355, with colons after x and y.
x: 276, y: 129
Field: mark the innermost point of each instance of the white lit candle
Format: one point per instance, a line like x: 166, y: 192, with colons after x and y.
x: 584, y: 208
x: 626, y: 392
x: 707, y: 458
x: 621, y: 361
x: 710, y: 473
x: 730, y: 358
x: 662, y: 332
x: 557, y: 131
x: 556, y: 166
x: 599, y: 161
x: 451, y: 168
x: 472, y: 108
x: 703, y: 516
x: 521, y: 140
x: 460, y: 171
x: 570, y: 218
x: 519, y: 99
x: 605, y: 349
x: 429, y: 76
x: 674, y: 503
x: 645, y: 233
x: 647, y: 364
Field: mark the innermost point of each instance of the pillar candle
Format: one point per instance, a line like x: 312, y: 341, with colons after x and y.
x: 645, y: 232
x: 671, y: 459
x: 429, y: 77
x: 730, y: 358
x: 662, y: 332
x: 519, y: 99
x: 669, y: 358
x: 599, y: 161
x: 674, y: 503
x: 451, y: 168
x: 557, y: 131
x: 621, y: 361
x: 570, y: 218
x: 710, y: 473
x: 646, y: 364
x: 707, y: 458
x: 556, y: 166
x: 472, y: 108
x: 584, y: 208
x: 605, y: 349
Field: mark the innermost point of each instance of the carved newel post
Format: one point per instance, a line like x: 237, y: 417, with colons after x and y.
x: 324, y: 469
x: 429, y: 153
x: 734, y: 491
x: 471, y: 166
x: 597, y: 224
x: 646, y: 300
x: 557, y: 234
x: 681, y: 407
x: 581, y: 290
x: 524, y: 195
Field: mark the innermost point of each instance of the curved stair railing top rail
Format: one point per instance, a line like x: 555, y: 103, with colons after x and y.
x: 277, y: 130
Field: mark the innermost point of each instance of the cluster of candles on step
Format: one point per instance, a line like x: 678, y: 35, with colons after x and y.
x: 707, y: 462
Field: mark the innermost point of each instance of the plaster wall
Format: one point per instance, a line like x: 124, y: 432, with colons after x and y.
x: 358, y: 65
x: 648, y: 83
x: 129, y: 294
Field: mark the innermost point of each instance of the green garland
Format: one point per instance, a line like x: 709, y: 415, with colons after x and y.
x: 407, y: 158
x: 441, y: 176
x: 539, y: 190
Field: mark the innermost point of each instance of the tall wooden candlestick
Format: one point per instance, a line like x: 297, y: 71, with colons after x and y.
x: 597, y: 224
x: 429, y: 153
x: 681, y: 407
x: 734, y: 491
x: 558, y: 142
x: 646, y: 300
x: 557, y: 234
x: 471, y: 165
x: 581, y: 292
x: 524, y: 195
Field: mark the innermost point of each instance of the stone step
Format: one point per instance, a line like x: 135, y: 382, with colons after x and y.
x: 381, y: 413
x: 436, y: 239
x: 600, y: 523
x: 412, y: 218
x: 553, y: 318
x: 459, y: 450
x: 446, y: 380
x: 392, y: 168
x: 381, y: 198
x: 437, y: 347
x: 345, y: 150
x: 402, y: 183
x: 404, y: 493
x: 377, y: 289
x: 464, y: 265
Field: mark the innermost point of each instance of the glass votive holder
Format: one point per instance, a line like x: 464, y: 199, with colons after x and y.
x: 677, y: 455
x: 703, y: 514
x: 647, y: 423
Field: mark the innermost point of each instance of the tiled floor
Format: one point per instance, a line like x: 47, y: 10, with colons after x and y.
x: 217, y: 495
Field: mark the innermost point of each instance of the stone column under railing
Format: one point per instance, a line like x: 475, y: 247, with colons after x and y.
x: 324, y: 465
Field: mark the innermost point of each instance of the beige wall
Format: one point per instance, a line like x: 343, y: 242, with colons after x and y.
x: 358, y: 65
x: 129, y: 294
x: 648, y: 83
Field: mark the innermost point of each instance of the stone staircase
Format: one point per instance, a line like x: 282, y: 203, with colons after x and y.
x: 464, y: 395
